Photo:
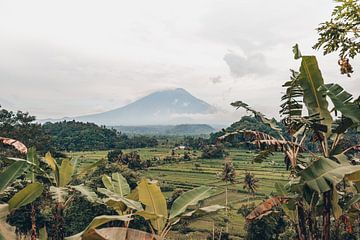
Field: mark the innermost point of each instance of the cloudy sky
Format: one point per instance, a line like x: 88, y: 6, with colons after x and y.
x: 73, y: 57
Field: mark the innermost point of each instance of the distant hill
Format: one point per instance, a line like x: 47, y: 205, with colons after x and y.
x: 176, y: 130
x: 168, y: 107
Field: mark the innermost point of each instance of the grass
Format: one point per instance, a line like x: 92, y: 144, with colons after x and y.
x: 187, y: 175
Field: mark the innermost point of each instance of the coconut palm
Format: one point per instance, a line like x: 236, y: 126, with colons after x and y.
x: 250, y: 183
x: 228, y: 175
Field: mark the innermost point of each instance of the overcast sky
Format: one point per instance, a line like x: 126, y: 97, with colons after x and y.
x: 74, y: 57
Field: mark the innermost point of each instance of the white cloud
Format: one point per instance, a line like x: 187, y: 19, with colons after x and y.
x: 68, y: 58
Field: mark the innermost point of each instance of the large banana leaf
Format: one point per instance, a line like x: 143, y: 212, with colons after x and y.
x: 117, y: 184
x: 119, y: 233
x: 26, y: 195
x: 11, y: 173
x: 265, y: 208
x: 310, y: 79
x: 342, y: 101
x: 15, y: 143
x: 87, y: 193
x: 81, y: 169
x: 325, y: 173
x: 7, y: 232
x: 33, y: 159
x: 189, y: 198
x: 53, y: 165
x: 270, y: 122
x: 96, y: 222
x: 151, y: 196
x: 65, y: 172
x: 121, y: 203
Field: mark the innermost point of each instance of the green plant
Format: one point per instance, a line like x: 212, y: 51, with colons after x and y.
x: 312, y: 193
x: 341, y: 33
x: 147, y: 201
x: 25, y: 196
x: 62, y: 177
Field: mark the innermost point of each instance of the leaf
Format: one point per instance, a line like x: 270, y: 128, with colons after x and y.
x: 87, y: 193
x: 53, y: 165
x: 270, y: 122
x: 280, y: 189
x: 337, y: 211
x: 324, y: 173
x: 121, y: 187
x: 296, y: 51
x: 26, y: 195
x: 263, y: 155
x: 107, y: 182
x: 353, y: 200
x: 15, y: 143
x: 51, y: 161
x: 58, y: 193
x: 207, y: 209
x: 4, y: 211
x: 212, y: 208
x: 11, y: 173
x: 7, y: 232
x: 120, y: 233
x: 83, y: 169
x: 265, y: 208
x: 120, y: 203
x: 342, y: 101
x: 151, y: 196
x: 96, y: 222
x: 189, y: 198
x: 65, y: 173
x: 117, y: 184
x: 43, y: 235
x: 310, y: 79
x: 33, y: 159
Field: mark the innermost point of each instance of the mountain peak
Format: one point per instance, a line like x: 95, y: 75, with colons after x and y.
x: 172, y: 106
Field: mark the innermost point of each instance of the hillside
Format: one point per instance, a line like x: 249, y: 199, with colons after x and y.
x: 174, y: 130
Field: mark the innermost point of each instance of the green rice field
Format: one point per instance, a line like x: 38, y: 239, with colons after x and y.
x: 186, y: 175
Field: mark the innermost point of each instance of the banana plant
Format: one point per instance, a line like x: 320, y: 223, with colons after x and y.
x: 62, y: 176
x: 147, y: 201
x: 315, y: 179
x: 25, y: 196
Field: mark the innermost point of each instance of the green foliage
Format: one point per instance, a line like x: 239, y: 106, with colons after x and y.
x: 78, y: 136
x: 228, y: 173
x: 115, y: 156
x: 250, y: 182
x: 213, y: 151
x: 342, y: 32
x: 21, y: 126
x: 268, y: 227
x: 245, y: 123
x: 189, y: 198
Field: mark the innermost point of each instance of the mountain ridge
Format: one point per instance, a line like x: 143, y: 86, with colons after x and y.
x: 164, y: 107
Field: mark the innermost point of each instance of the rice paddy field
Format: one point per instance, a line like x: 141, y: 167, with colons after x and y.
x: 186, y: 175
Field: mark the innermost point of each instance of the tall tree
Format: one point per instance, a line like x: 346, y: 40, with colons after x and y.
x: 228, y: 175
x: 342, y: 33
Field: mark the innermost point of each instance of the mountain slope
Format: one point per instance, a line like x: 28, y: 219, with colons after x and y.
x: 171, y: 130
x: 162, y: 107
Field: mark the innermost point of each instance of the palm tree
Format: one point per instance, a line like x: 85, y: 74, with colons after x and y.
x: 250, y: 183
x: 228, y: 175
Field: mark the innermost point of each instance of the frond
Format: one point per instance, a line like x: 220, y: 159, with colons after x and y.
x: 59, y: 194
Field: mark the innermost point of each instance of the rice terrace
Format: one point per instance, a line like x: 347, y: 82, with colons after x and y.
x: 174, y: 120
